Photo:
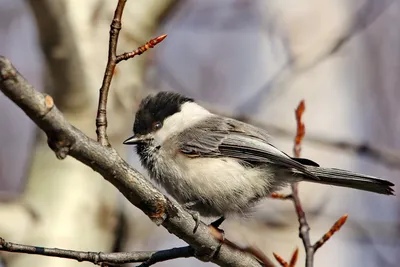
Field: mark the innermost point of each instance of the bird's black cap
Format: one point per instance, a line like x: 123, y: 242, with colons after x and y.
x: 156, y: 108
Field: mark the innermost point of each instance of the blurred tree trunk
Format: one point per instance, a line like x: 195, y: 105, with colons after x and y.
x: 65, y: 204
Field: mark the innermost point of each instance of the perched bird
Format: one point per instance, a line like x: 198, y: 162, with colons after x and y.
x: 215, y: 165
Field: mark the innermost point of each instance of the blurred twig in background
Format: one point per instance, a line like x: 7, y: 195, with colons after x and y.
x: 294, y: 66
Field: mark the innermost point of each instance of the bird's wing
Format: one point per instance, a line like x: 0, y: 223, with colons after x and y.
x: 221, y: 137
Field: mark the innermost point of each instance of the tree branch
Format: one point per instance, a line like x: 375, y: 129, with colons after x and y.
x: 113, y: 60
x: 304, y: 228
x: 64, y: 139
x: 101, y: 119
x: 100, y: 257
x: 169, y: 254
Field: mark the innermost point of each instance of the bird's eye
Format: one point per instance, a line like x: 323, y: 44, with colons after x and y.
x: 157, y: 125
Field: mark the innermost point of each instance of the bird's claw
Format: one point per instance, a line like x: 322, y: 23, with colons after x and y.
x: 195, y: 214
x: 196, y: 218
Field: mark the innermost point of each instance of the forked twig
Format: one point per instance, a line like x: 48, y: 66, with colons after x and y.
x: 304, y: 228
x: 101, y: 119
x: 112, y: 61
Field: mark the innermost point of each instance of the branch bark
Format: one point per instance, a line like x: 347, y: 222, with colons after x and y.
x: 304, y: 228
x: 101, y: 119
x: 147, y: 257
x: 64, y: 139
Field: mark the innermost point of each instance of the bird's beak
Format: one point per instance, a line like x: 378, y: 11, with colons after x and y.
x: 136, y: 139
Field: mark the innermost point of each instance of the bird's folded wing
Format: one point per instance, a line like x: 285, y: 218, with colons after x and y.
x: 233, y: 139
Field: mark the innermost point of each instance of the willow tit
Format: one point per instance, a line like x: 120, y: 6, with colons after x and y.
x: 216, y: 165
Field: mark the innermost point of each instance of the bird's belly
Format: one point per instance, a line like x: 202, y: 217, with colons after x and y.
x: 219, y: 185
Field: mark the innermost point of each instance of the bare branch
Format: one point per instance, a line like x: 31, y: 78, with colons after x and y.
x: 101, y: 119
x: 100, y: 257
x: 304, y: 228
x: 169, y: 254
x: 64, y: 139
x: 113, y: 60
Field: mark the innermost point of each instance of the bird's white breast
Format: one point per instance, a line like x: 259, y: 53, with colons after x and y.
x: 221, y: 181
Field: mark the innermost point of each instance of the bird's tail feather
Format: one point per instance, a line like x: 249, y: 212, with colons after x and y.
x: 344, y: 178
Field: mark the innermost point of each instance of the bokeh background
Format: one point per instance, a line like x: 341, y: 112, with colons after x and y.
x: 250, y: 59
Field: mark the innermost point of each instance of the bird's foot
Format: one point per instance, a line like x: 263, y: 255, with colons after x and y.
x: 196, y: 218
x: 195, y: 214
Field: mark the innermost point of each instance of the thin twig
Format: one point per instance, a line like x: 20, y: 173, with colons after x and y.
x: 294, y: 258
x: 112, y: 61
x: 336, y: 227
x: 304, y: 228
x: 284, y: 263
x: 281, y: 260
x: 140, y: 50
x: 101, y: 119
x: 169, y: 254
x: 100, y: 257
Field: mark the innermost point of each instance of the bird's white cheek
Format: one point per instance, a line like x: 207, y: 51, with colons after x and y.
x: 161, y: 135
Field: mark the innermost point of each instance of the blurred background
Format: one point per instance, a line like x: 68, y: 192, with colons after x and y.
x: 253, y: 60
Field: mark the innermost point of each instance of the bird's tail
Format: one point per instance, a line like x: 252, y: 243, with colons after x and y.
x: 344, y: 178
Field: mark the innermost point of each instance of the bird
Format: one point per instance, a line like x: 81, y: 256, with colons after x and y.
x: 216, y: 166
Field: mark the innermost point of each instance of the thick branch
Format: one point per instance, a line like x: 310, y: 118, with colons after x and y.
x: 65, y: 140
x: 100, y: 257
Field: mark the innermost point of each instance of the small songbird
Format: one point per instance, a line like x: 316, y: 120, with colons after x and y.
x: 218, y: 166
